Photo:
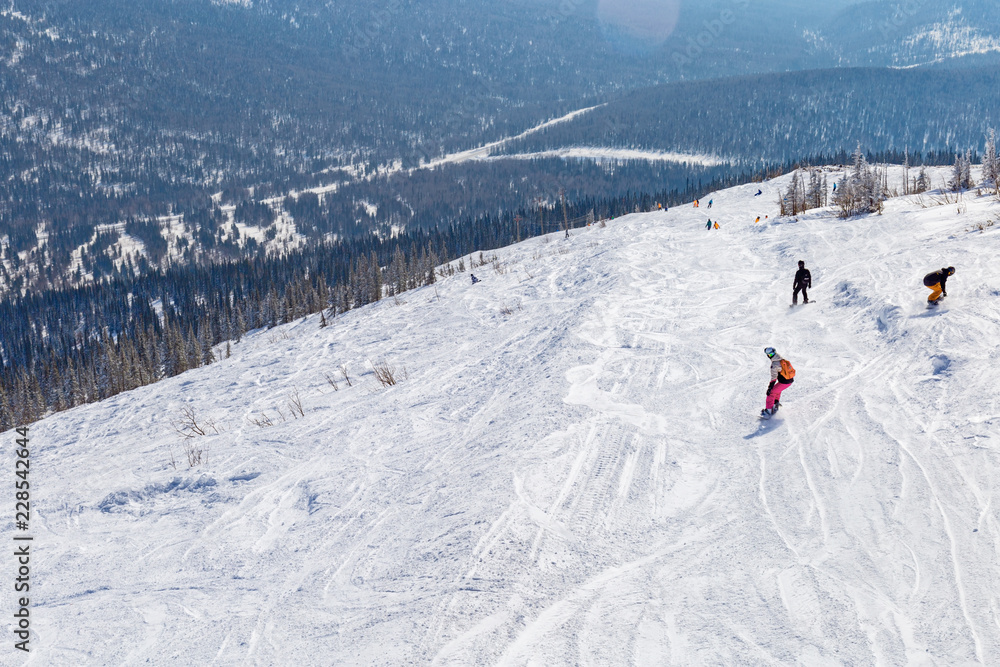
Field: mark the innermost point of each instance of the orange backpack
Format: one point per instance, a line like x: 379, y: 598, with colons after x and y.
x: 787, y: 371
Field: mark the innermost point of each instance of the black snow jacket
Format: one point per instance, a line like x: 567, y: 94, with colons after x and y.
x: 803, y: 278
x: 932, y: 279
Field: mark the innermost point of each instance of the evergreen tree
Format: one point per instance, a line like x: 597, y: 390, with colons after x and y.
x: 961, y: 178
x: 241, y: 325
x: 862, y: 190
x: 991, y: 163
x: 923, y: 182
x: 206, y: 341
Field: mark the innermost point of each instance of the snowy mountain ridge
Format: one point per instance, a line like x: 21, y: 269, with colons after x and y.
x: 569, y: 468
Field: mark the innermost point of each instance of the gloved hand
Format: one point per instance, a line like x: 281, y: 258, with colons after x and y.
x: 944, y: 293
x: 770, y: 387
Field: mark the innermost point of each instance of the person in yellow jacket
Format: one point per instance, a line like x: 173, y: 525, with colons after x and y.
x: 936, y: 281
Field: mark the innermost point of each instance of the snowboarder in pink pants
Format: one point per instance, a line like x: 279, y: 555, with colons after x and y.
x: 782, y: 377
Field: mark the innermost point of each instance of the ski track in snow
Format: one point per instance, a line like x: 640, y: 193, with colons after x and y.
x: 581, y: 482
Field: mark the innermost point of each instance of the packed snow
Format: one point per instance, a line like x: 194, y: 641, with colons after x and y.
x: 618, y: 155
x: 570, y: 469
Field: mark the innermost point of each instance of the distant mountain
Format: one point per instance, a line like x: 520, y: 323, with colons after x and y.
x: 915, y: 33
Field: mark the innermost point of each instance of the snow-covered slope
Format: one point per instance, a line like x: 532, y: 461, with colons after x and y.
x: 572, y: 470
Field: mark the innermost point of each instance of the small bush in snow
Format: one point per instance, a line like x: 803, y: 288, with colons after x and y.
x: 332, y: 381
x: 189, y: 426
x: 196, y: 455
x: 386, y: 374
x: 295, y: 404
x: 262, y: 422
x: 507, y: 309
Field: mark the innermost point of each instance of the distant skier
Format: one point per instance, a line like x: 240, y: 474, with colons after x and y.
x: 717, y: 225
x: 710, y: 202
x: 475, y: 279
x: 709, y: 225
x: 936, y: 283
x: 759, y: 193
x: 757, y: 220
x: 782, y: 376
x: 696, y: 203
x: 803, y: 281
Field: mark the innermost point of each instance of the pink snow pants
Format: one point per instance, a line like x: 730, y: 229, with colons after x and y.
x: 775, y: 395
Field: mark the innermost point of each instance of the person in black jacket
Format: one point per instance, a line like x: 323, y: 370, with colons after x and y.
x: 936, y: 283
x: 803, y: 281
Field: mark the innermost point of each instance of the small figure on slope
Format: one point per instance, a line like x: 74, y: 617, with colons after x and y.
x: 717, y: 225
x: 936, y: 283
x: 710, y: 201
x: 759, y: 193
x: 475, y: 279
x: 803, y: 281
x: 696, y: 203
x: 709, y: 225
x: 782, y: 376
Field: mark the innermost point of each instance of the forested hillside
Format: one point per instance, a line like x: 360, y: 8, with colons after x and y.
x: 777, y: 117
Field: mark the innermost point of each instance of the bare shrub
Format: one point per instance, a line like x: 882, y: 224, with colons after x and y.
x: 295, y: 404
x: 982, y: 226
x: 188, y: 425
x: 386, y: 374
x: 278, y: 336
x: 262, y: 422
x: 332, y: 381
x: 946, y: 198
x: 499, y: 267
x: 196, y: 454
x: 508, y: 309
x: 347, y: 378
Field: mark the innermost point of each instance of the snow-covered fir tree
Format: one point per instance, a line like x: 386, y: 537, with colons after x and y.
x: 991, y: 163
x: 862, y: 189
x: 962, y: 174
x: 804, y: 194
x: 816, y: 193
x: 922, y: 182
x: 793, y: 200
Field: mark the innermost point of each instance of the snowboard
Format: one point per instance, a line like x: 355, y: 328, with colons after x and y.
x: 767, y: 417
x: 802, y: 304
x: 935, y: 304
